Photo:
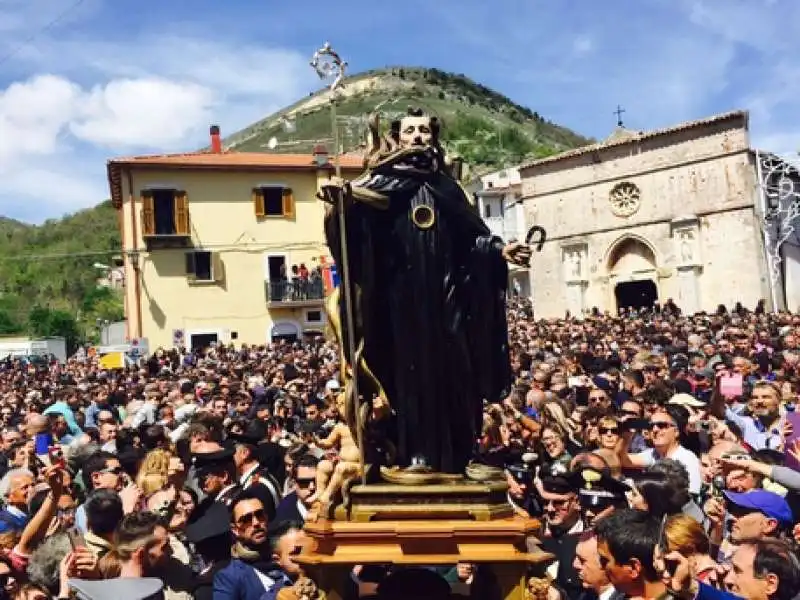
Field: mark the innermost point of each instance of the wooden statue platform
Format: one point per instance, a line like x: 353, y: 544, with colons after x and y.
x: 424, y: 525
x: 457, y: 500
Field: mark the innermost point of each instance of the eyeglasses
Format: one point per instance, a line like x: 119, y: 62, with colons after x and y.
x: 609, y: 430
x: 661, y: 425
x: 251, y: 517
x: 305, y: 482
x: 559, y: 504
x: 66, y: 512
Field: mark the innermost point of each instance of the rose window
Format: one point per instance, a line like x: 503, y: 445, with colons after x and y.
x: 624, y: 199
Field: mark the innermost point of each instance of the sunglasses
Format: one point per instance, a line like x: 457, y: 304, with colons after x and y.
x: 557, y: 504
x: 305, y: 482
x: 251, y: 517
x: 609, y: 430
x: 597, y: 399
x: 630, y: 413
x: 661, y: 425
x: 113, y: 471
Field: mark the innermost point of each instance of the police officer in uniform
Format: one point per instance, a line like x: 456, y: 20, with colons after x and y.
x: 599, y: 494
x: 210, y: 537
x: 216, y: 477
x: 564, y: 527
x: 249, y: 455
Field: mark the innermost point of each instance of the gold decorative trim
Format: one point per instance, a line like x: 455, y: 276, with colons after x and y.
x: 423, y: 216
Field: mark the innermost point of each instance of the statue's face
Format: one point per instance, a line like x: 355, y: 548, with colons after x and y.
x: 415, y: 131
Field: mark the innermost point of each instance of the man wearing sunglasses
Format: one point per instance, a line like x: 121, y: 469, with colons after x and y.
x: 666, y: 426
x: 251, y: 573
x: 102, y: 471
x: 295, y: 506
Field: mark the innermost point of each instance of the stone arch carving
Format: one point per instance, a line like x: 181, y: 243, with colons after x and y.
x: 631, y: 254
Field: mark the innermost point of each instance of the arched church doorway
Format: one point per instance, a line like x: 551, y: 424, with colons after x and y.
x: 636, y: 294
x: 631, y: 265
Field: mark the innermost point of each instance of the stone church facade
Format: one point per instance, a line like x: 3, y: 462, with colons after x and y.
x: 648, y: 216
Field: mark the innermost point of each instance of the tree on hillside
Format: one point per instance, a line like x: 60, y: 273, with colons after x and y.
x: 48, y: 322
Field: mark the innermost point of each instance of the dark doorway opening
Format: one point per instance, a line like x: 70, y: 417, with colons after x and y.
x: 636, y: 294
x: 201, y: 341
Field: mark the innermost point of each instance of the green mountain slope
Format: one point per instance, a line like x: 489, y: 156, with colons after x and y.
x: 486, y: 128
x: 50, y: 266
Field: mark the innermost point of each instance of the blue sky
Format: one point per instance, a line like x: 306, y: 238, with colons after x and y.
x: 126, y: 77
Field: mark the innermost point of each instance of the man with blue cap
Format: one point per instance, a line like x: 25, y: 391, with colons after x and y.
x: 756, y: 514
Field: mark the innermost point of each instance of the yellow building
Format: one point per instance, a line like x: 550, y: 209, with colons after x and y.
x: 210, y: 242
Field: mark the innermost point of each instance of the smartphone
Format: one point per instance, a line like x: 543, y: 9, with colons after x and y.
x: 42, y: 443
x: 71, y: 534
x: 56, y: 455
x: 792, y: 417
x: 731, y: 386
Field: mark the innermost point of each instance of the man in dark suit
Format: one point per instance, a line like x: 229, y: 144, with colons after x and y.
x: 294, y: 507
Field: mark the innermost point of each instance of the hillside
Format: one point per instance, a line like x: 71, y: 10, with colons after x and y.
x: 486, y: 128
x: 42, y: 266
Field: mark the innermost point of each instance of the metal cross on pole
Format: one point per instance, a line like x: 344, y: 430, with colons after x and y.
x: 619, y: 112
x: 330, y: 66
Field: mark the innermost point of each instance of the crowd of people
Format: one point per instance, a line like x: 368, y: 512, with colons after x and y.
x: 658, y: 449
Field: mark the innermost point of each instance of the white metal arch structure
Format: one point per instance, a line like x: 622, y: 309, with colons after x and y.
x: 779, y: 185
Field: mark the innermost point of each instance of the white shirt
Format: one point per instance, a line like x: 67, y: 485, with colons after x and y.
x: 686, y: 457
x: 301, y: 508
x: 607, y: 593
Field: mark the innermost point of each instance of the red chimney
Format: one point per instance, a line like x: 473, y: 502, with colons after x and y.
x: 216, y: 142
x: 321, y: 155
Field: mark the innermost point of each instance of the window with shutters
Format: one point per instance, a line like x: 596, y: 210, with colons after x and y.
x: 165, y: 212
x: 203, y: 266
x: 273, y: 201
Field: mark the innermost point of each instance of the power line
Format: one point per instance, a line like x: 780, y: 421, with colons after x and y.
x: 44, y: 29
x: 235, y: 247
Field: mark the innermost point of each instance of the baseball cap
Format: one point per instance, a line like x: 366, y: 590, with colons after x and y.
x: 332, y: 385
x: 686, y: 400
x: 769, y: 504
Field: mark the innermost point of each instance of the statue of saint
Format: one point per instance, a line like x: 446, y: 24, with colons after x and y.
x: 429, y: 287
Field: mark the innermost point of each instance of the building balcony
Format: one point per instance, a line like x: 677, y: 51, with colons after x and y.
x: 295, y: 293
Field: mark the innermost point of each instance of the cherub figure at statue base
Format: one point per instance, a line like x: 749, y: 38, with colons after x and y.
x: 333, y: 474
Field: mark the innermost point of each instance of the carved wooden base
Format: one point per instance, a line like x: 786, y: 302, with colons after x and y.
x: 456, y: 500
x: 337, y: 545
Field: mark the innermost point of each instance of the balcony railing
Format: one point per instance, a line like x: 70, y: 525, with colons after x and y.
x: 295, y: 292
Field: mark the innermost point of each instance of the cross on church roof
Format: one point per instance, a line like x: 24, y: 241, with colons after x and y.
x: 619, y: 112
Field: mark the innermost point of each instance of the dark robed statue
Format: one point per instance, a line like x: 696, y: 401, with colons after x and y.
x: 429, y: 287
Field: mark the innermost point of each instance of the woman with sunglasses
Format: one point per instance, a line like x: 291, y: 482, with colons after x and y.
x: 609, y: 430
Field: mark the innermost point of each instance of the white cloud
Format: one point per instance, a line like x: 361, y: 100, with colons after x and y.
x: 142, y: 112
x: 582, y: 44
x: 85, y: 100
x: 32, y: 116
